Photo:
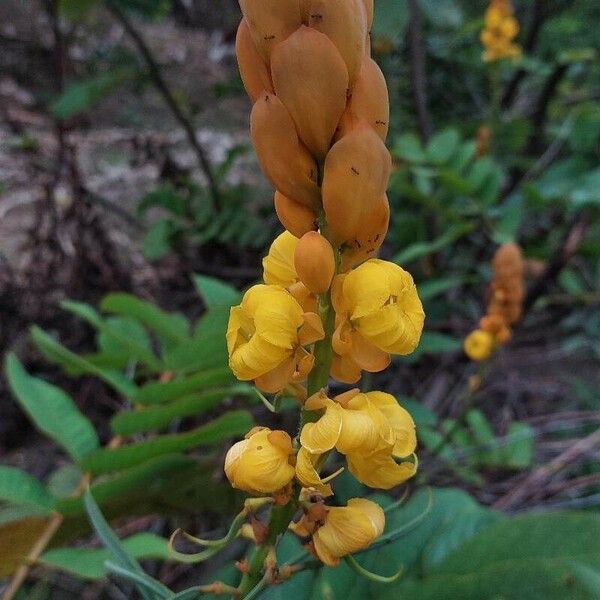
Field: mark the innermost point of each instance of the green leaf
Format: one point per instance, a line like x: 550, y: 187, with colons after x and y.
x: 171, y: 328
x: 208, y: 347
x: 135, y: 348
x: 229, y: 425
x: 160, y: 393
x: 479, y: 172
x: 511, y: 217
x: 75, y: 9
x: 463, y: 156
x: 419, y: 249
x: 112, y: 542
x: 114, y: 354
x: 64, y: 481
x: 445, y: 14
x: 540, y: 556
x: 76, y: 365
x: 141, y: 482
x: 433, y: 342
x: 19, y: 487
x: 435, y: 287
x: 216, y: 293
x: 408, y: 147
x: 157, y: 241
x: 53, y: 412
x: 89, y: 563
x: 517, y: 452
x: 390, y: 19
x: 156, y: 418
x: 166, y: 198
x: 80, y: 96
x: 146, y: 8
x: 442, y: 146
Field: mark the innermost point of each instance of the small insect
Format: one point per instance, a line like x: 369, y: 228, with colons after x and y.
x: 268, y: 38
x: 354, y: 170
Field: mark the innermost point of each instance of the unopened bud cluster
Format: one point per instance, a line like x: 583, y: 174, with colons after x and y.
x: 505, y: 305
x: 328, y: 307
x: 499, y: 32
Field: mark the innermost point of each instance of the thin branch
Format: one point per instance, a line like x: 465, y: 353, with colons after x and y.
x: 417, y: 70
x: 22, y: 572
x: 537, y: 19
x: 163, y: 88
x: 540, y: 114
x: 540, y: 476
x: 561, y: 257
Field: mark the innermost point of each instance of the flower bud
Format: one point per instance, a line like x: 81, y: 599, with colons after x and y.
x: 370, y: 98
x: 253, y: 70
x: 285, y: 161
x: 314, y: 262
x: 348, y: 529
x: 478, y: 345
x: 356, y: 174
x: 369, y: 238
x: 260, y: 464
x: 270, y: 22
x: 311, y: 79
x: 344, y: 22
x: 295, y: 217
x: 369, y: 9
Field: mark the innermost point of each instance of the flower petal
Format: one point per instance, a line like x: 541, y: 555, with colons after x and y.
x: 323, y: 435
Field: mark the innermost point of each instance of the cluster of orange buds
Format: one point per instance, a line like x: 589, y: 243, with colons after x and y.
x: 505, y: 305
x: 328, y: 307
x: 499, y: 32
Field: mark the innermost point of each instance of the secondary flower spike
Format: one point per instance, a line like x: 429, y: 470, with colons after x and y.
x: 507, y: 291
x: 500, y: 30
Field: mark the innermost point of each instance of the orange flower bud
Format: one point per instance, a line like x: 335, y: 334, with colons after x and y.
x: 305, y: 10
x: 314, y: 262
x: 285, y: 161
x: 508, y: 262
x: 345, y: 23
x: 295, y: 217
x: 356, y: 174
x: 270, y: 22
x: 255, y: 74
x: 370, y: 9
x: 311, y: 79
x: 369, y: 238
x: 370, y: 99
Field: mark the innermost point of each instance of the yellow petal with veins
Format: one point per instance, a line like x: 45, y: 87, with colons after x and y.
x: 323, y: 435
x: 307, y: 474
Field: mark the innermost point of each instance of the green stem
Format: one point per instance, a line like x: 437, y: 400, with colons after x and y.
x: 495, y: 104
x: 280, y: 519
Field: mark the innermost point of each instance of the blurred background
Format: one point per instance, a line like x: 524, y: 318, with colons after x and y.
x: 132, y: 211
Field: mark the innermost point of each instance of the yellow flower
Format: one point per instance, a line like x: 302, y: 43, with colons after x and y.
x: 370, y: 429
x: 260, y: 464
x: 278, y: 265
x: 308, y: 476
x: 479, y: 345
x: 378, y: 313
x: 348, y: 529
x: 279, y: 269
x: 266, y: 335
x: 500, y: 30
